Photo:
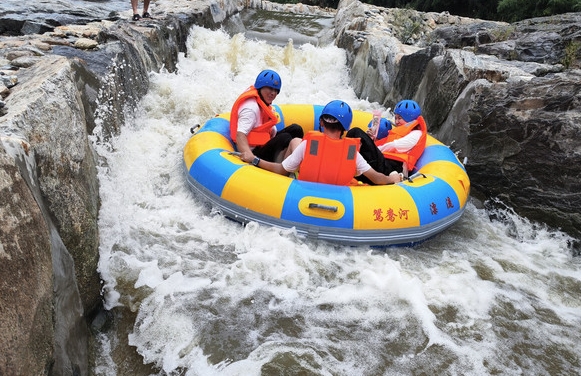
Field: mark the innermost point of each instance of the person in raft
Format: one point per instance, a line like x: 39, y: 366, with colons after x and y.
x: 253, y: 121
x: 326, y: 157
x: 397, y: 146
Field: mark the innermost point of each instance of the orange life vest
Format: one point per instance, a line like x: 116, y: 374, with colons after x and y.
x: 328, y: 160
x: 411, y: 156
x: 258, y: 135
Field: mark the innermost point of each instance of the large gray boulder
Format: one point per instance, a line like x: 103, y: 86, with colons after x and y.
x: 504, y: 96
x: 26, y: 286
x: 53, y: 87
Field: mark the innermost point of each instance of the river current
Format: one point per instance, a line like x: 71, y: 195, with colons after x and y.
x: 193, y: 293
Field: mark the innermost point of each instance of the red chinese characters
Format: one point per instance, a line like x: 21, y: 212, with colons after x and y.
x: 391, y: 215
x: 433, y: 208
x: 449, y: 203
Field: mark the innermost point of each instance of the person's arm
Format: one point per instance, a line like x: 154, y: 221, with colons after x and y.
x: 381, y: 179
x: 266, y: 165
x: 272, y: 167
x: 242, y: 144
x: 363, y: 168
x: 247, y: 120
x: 404, y: 144
x: 290, y: 163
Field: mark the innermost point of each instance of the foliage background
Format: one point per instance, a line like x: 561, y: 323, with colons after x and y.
x: 497, y: 10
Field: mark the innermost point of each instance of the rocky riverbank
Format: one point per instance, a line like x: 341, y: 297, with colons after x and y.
x: 504, y: 96
x: 54, y: 89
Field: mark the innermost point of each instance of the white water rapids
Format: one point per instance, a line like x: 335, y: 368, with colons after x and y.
x: 196, y: 294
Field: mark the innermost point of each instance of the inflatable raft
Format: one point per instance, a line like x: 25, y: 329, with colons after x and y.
x: 432, y: 199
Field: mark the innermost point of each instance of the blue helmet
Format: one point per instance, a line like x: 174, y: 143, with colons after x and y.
x: 339, y: 111
x: 384, y: 128
x: 268, y: 78
x: 408, y: 110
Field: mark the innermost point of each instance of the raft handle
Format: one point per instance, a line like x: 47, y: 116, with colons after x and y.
x: 323, y: 207
x: 194, y: 128
x: 411, y: 178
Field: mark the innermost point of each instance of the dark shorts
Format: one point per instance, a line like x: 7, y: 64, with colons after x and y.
x: 373, y: 155
x: 271, y: 150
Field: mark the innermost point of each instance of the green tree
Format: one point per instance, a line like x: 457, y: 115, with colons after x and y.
x: 499, y: 10
x: 466, y: 8
x: 516, y: 10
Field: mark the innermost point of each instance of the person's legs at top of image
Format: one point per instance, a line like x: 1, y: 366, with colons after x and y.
x: 146, y: 9
x: 136, y: 16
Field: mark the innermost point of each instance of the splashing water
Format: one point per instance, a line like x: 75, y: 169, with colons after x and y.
x: 207, y: 296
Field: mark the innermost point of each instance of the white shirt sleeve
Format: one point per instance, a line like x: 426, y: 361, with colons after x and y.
x: 404, y: 144
x: 293, y: 161
x: 362, y: 165
x: 248, y: 116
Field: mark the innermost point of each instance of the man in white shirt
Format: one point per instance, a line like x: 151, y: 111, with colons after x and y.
x: 253, y: 121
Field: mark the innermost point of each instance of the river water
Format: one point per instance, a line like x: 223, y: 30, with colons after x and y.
x: 192, y: 293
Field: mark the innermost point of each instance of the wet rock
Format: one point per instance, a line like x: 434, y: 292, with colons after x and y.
x: 27, y: 333
x: 514, y: 113
x: 52, y: 110
x: 518, y: 144
x: 11, y: 55
x: 4, y: 91
x: 8, y: 80
x: 25, y: 61
x: 86, y: 44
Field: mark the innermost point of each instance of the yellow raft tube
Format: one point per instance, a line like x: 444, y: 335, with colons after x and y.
x: 400, y: 214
